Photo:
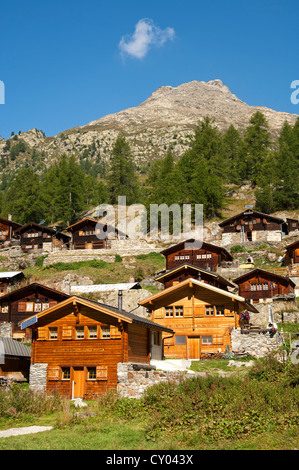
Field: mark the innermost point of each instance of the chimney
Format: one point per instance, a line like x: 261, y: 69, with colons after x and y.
x: 120, y: 300
x: 9, y: 216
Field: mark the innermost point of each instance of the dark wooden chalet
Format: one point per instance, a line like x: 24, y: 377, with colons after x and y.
x: 24, y: 302
x: 293, y: 225
x: 188, y: 271
x: 9, y: 279
x: 81, y: 342
x: 38, y: 237
x: 91, y: 234
x: 14, y: 359
x: 258, y: 285
x: 291, y: 255
x: 248, y: 224
x: 197, y: 253
x: 7, y: 230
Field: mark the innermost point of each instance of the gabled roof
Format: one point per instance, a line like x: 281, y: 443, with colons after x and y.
x: 14, y: 348
x: 197, y: 245
x: 23, y: 228
x: 30, y: 289
x: 10, y: 274
x: 257, y: 271
x: 251, y: 212
x: 106, y: 287
x: 292, y: 245
x: 192, y: 267
x: 82, y: 223
x: 14, y: 225
x: 103, y: 308
x: 194, y: 282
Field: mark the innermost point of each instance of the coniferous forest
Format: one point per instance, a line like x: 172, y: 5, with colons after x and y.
x: 213, y: 162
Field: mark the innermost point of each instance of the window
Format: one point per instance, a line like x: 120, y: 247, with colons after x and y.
x: 66, y: 373
x: 206, y: 339
x: 179, y: 311
x: 92, y: 332
x: 220, y: 310
x: 91, y: 373
x: 180, y: 340
x: 37, y: 307
x: 198, y: 256
x: 168, y: 311
x: 265, y: 286
x: 106, y: 332
x: 29, y: 306
x: 209, y: 310
x: 53, y: 333
x: 156, y: 338
x: 45, y: 305
x: 253, y: 287
x: 259, y: 287
x: 4, y: 307
x: 80, y: 332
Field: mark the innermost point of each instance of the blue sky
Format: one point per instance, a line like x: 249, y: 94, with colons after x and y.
x: 65, y: 63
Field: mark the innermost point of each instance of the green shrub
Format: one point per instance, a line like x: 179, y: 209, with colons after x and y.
x: 238, y: 249
x: 73, y: 266
x: 118, y: 259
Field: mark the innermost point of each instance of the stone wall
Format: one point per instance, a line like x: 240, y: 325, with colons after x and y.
x: 5, y: 330
x: 133, y: 379
x: 38, y: 377
x: 254, y: 343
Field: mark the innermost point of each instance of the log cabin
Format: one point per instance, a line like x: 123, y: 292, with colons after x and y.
x: 81, y: 342
x: 9, y: 280
x: 293, y: 225
x: 38, y: 237
x: 202, y: 254
x: 252, y: 225
x: 186, y: 271
x: 202, y: 317
x: 291, y: 255
x: 22, y: 303
x: 259, y: 285
x: 7, y: 230
x: 90, y: 234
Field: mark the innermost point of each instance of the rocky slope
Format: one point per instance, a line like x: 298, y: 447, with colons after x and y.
x: 166, y: 119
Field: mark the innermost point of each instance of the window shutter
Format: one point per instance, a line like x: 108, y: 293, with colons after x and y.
x: 102, y: 372
x: 114, y: 332
x: 67, y: 332
x: 42, y: 333
x: 54, y: 373
x: 22, y: 306
x: 52, y: 303
x: 159, y: 313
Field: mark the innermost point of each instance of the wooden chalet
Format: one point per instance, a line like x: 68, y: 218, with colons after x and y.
x: 7, y: 230
x: 293, y: 225
x: 82, y: 341
x: 91, y: 234
x: 291, y: 255
x: 8, y: 280
x: 188, y: 271
x: 24, y: 302
x: 201, y: 315
x: 197, y: 253
x: 258, y: 285
x: 38, y: 237
x: 252, y: 225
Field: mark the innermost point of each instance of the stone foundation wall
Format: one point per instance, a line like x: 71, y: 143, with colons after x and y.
x: 5, y: 330
x: 38, y: 377
x: 256, y: 344
x: 133, y: 379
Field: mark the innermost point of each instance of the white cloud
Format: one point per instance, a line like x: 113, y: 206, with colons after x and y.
x: 146, y: 34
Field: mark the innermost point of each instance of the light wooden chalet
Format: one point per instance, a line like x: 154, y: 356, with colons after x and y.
x: 258, y: 285
x: 24, y: 302
x: 38, y: 237
x: 291, y: 255
x: 7, y: 230
x: 202, y: 254
x: 186, y: 271
x: 202, y: 317
x: 9, y: 280
x: 91, y: 234
x: 252, y: 225
x: 82, y: 341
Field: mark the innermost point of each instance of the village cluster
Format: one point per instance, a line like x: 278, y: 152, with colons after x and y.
x: 77, y: 343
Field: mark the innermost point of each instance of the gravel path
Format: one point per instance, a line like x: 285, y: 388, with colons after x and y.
x: 27, y: 430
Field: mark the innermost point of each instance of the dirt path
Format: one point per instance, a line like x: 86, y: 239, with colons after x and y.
x: 26, y: 430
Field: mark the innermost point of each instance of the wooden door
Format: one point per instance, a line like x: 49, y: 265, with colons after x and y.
x: 193, y: 347
x: 88, y: 246
x: 79, y: 381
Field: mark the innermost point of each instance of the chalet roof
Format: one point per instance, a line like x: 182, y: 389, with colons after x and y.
x: 107, y: 309
x: 31, y: 289
x: 292, y: 245
x: 83, y: 222
x: 197, y: 245
x: 11, y: 347
x: 251, y: 212
x: 10, y: 274
x: 257, y: 271
x: 192, y: 267
x: 14, y: 225
x: 196, y: 282
x: 23, y: 228
x: 106, y: 287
